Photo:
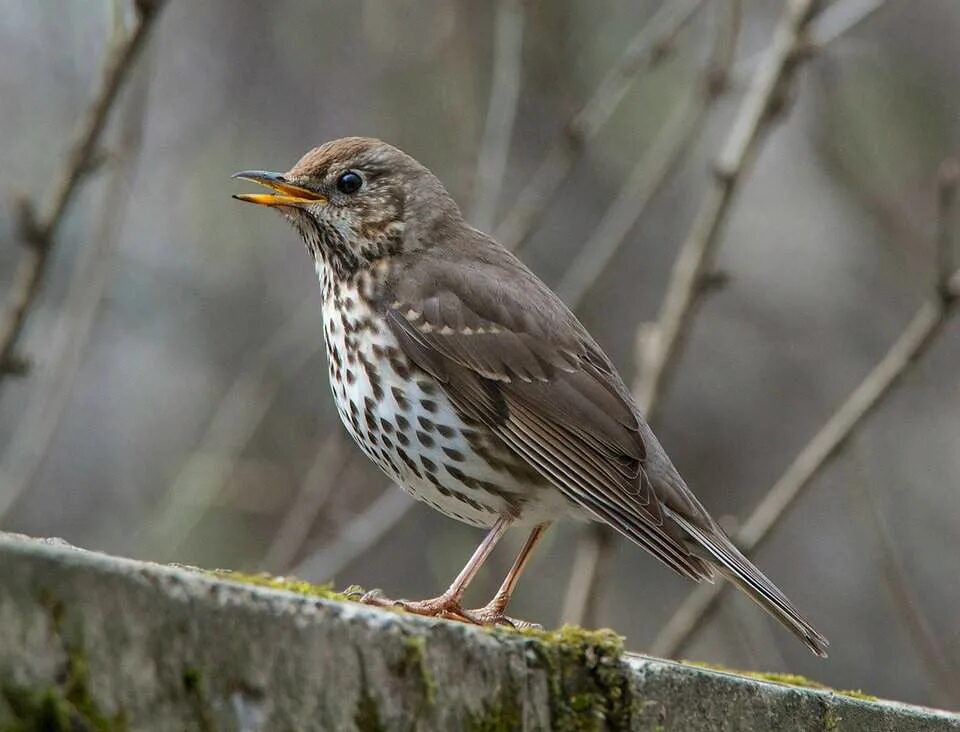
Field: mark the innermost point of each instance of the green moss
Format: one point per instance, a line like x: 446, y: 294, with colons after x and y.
x: 785, y: 679
x: 67, y: 707
x: 856, y: 694
x: 367, y: 716
x: 191, y: 680
x: 290, y: 584
x: 504, y: 714
x: 196, y: 692
x: 415, y: 664
x: 588, y: 681
x: 831, y: 721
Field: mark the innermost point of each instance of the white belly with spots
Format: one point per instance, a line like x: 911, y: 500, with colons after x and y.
x: 404, y: 422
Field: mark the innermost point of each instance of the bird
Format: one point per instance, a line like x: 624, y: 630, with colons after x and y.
x: 471, y: 385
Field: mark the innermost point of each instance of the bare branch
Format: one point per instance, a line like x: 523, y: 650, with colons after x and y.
x: 656, y: 167
x: 836, y: 20
x: 839, y: 18
x: 68, y: 339
x: 314, y: 493
x: 358, y: 537
x: 501, y: 111
x: 595, y: 542
x: 760, y: 108
x: 651, y: 45
x: 231, y: 426
x: 909, y: 347
x: 948, y: 179
x: 923, y: 638
x: 587, y: 576
x: 38, y: 231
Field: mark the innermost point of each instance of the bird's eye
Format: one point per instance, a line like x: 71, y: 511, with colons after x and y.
x: 349, y: 182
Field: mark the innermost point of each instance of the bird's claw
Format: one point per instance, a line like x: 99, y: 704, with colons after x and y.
x: 449, y: 608
x: 443, y: 606
x: 495, y: 616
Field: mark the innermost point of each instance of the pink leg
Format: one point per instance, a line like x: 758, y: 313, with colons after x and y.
x: 448, y: 605
x: 493, y: 612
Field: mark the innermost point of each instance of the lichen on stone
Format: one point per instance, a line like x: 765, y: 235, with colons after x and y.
x: 503, y: 714
x: 415, y: 664
x: 588, y: 681
x: 289, y: 584
x: 785, y: 679
x: 367, y: 716
x: 65, y: 707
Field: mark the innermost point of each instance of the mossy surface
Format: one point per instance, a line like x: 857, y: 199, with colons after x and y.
x: 414, y: 665
x: 367, y: 716
x: 503, y: 714
x: 785, y: 679
x: 289, y: 584
x: 588, y: 681
x: 66, y: 707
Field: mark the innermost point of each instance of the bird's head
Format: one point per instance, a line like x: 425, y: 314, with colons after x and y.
x: 357, y: 200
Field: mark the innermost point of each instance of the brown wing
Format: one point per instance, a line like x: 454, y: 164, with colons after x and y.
x: 510, y: 355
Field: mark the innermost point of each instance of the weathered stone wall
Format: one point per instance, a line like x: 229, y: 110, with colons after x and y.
x: 89, y: 641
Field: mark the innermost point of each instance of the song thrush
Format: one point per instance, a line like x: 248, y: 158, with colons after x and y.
x: 471, y: 385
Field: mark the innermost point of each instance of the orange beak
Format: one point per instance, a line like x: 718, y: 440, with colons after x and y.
x: 287, y: 194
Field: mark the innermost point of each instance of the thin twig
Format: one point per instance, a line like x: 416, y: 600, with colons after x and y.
x: 836, y: 20
x: 656, y: 167
x: 649, y: 47
x: 37, y: 230
x: 839, y: 18
x: 948, y: 180
x: 764, y: 100
x: 501, y: 111
x: 662, y: 343
x: 906, y: 351
x: 70, y: 336
x: 946, y: 681
x: 591, y: 561
x: 595, y: 542
x: 231, y: 426
x: 314, y: 493
x: 359, y: 536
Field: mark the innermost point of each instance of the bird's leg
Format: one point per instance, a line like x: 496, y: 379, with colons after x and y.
x: 448, y: 605
x: 493, y: 612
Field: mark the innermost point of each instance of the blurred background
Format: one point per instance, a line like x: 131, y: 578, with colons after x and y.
x: 175, y: 404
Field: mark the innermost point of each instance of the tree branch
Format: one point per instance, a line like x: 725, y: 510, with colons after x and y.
x: 314, y: 493
x: 915, y: 340
x: 358, y: 537
x: 668, y: 150
x: 946, y: 681
x: 649, y: 47
x: 37, y: 231
x: 69, y: 337
x: 760, y: 108
x: 501, y: 111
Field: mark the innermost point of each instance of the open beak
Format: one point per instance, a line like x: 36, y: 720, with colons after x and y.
x: 286, y: 194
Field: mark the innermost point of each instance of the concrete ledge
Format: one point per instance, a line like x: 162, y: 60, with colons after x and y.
x: 92, y: 642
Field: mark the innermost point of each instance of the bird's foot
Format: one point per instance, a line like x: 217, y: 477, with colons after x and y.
x: 445, y: 606
x: 448, y: 607
x: 493, y: 614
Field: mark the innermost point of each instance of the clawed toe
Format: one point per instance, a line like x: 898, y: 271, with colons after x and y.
x: 376, y: 598
x: 437, y: 607
x: 449, y: 608
x: 493, y: 616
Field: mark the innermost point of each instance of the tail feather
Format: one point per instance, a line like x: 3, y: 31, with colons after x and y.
x: 731, y: 563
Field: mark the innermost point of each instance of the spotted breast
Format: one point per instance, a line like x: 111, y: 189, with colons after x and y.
x: 404, y: 422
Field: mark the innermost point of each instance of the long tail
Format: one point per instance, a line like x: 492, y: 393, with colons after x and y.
x: 721, y: 552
